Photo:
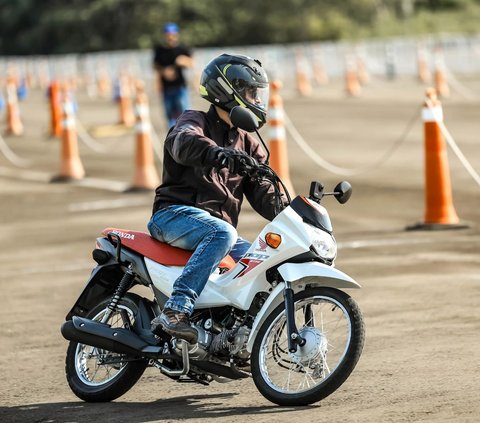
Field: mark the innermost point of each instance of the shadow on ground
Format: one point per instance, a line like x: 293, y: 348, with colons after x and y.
x: 185, y: 407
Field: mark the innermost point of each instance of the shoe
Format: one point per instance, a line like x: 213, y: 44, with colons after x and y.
x: 175, y: 323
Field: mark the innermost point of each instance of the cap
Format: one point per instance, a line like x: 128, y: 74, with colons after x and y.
x: 170, y: 27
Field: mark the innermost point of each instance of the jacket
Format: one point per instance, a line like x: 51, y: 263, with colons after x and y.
x: 190, y: 178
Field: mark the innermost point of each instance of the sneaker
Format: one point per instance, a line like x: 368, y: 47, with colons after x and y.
x: 175, y: 323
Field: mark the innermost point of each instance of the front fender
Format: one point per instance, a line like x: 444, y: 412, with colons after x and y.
x: 300, y: 275
x: 316, y: 274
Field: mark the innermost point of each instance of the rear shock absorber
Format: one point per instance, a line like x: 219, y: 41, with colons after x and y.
x: 122, y: 288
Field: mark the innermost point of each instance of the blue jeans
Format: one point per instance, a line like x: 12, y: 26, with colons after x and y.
x: 175, y: 101
x: 211, y: 239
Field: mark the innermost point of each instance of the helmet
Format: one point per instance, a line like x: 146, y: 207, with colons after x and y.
x: 234, y: 80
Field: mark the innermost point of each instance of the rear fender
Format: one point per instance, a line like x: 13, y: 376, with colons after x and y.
x: 301, y: 275
x: 105, y: 278
x: 102, y: 283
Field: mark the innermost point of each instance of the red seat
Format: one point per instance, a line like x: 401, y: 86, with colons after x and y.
x: 160, y: 252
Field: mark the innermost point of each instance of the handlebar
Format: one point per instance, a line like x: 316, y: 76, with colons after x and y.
x: 264, y: 171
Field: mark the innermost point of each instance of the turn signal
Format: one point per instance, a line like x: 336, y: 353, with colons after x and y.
x: 273, y: 240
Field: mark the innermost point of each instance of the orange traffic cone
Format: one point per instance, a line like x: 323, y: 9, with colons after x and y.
x: 14, y: 124
x: 440, y: 79
x: 321, y: 76
x: 424, y: 75
x: 352, y: 84
x: 439, y: 210
x: 362, y: 72
x: 104, y: 85
x: 303, y: 82
x: 71, y: 167
x: 146, y: 177
x: 55, y: 109
x: 127, y: 117
x: 277, y: 143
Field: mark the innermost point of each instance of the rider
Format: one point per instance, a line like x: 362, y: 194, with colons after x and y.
x: 204, y: 180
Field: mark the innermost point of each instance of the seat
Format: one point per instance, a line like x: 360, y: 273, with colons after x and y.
x: 162, y: 253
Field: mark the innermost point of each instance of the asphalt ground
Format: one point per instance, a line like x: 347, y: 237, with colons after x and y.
x: 420, y: 291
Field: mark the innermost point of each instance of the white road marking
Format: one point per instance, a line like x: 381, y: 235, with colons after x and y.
x: 25, y: 175
x: 108, y: 204
x: 35, y: 176
x: 367, y: 243
x: 105, y: 184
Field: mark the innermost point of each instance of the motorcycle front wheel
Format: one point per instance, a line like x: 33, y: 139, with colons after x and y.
x: 332, y: 325
x: 97, y: 375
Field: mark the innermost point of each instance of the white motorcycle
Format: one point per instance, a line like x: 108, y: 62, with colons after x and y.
x: 279, y: 315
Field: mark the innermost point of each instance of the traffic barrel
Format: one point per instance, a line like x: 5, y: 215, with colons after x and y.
x: 145, y: 177
x: 439, y: 210
x: 71, y: 167
x: 277, y: 140
x: 14, y: 123
x: 127, y: 117
x: 55, y: 109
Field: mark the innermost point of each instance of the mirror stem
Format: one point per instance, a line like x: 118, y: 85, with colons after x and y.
x: 267, y: 160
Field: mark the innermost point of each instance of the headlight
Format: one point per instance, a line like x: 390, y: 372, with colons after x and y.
x: 324, y: 243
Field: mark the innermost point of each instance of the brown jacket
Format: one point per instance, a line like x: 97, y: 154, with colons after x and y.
x: 189, y: 177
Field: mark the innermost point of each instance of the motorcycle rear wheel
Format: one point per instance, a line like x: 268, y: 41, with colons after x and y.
x: 331, y: 323
x: 89, y: 375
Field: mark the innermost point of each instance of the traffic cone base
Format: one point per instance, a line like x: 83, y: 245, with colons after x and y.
x: 421, y: 226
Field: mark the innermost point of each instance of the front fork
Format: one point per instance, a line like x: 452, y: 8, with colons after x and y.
x: 294, y: 339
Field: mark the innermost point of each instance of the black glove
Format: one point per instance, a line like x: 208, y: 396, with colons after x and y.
x: 237, y: 162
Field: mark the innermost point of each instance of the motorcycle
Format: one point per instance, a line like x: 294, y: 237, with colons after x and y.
x: 279, y: 315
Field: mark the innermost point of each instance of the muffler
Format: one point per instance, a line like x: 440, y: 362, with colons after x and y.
x: 100, y: 335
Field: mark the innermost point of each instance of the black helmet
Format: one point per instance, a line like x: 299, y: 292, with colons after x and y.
x: 233, y: 80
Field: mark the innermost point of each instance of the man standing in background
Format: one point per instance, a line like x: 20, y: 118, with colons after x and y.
x: 170, y: 61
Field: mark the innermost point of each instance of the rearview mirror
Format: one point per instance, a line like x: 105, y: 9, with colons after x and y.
x: 243, y: 118
x: 343, y: 192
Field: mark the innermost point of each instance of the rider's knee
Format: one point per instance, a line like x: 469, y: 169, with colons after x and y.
x: 227, y: 233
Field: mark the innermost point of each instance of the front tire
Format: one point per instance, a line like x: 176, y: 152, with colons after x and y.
x: 331, y: 323
x: 92, y: 373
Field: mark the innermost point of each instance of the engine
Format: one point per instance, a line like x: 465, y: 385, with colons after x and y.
x: 216, y: 341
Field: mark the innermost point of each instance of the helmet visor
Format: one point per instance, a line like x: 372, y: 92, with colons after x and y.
x: 257, y: 95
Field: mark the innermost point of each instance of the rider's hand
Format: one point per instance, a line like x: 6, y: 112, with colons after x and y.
x: 237, y: 162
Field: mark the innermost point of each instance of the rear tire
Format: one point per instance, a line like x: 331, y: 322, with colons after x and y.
x: 332, y: 324
x: 119, y: 378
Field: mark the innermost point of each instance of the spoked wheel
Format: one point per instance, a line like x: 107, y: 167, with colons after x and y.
x: 332, y: 326
x: 98, y: 375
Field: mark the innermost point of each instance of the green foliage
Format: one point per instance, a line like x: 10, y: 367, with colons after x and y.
x: 55, y: 26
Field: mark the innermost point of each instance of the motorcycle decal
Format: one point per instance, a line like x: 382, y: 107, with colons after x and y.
x: 249, y: 262
x: 125, y: 235
x: 262, y: 245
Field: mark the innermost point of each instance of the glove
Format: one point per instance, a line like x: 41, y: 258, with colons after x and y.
x: 237, y: 162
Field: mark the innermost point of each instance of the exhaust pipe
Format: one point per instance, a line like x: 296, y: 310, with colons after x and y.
x: 100, y: 335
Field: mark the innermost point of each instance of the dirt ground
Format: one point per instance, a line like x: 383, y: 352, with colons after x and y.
x: 421, y: 289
